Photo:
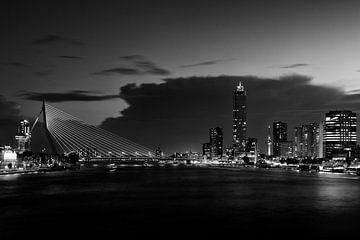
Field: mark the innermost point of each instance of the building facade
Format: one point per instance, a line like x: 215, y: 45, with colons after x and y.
x: 307, y: 140
x: 206, y: 150
x: 340, y: 134
x: 252, y: 149
x: 216, y: 142
x: 239, y: 120
x: 286, y: 149
x: 279, y: 136
x: 269, y: 142
x: 23, y: 137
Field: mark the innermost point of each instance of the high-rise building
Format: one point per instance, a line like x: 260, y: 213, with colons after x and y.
x: 269, y: 142
x: 239, y: 120
x: 340, y: 134
x: 216, y: 142
x: 320, y: 140
x: 307, y: 140
x: 207, y: 150
x: 23, y: 136
x: 279, y: 136
x: 286, y: 149
x: 252, y: 149
x: 298, y: 142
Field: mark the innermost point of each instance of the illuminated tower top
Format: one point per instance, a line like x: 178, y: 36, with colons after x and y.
x: 240, y: 88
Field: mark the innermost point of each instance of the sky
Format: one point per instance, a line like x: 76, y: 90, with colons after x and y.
x: 163, y: 72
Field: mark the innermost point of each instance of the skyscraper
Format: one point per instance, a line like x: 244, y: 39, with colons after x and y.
x: 23, y: 136
x: 306, y: 140
x: 320, y: 140
x: 269, y: 142
x: 279, y: 136
x: 239, y: 120
x: 340, y: 134
x: 216, y: 142
x: 252, y: 149
x: 207, y: 150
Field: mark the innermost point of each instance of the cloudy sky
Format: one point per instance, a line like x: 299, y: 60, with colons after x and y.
x: 163, y: 72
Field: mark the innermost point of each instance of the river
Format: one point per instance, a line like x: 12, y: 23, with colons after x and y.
x: 182, y: 201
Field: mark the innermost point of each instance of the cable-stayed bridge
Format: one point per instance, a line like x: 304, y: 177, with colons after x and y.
x: 67, y: 133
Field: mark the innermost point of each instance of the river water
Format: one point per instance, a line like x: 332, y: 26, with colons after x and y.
x: 171, y: 202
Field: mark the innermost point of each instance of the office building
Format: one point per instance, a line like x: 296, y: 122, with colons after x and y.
x: 239, y: 120
x: 269, y: 142
x: 216, y: 142
x: 307, y: 141
x: 279, y: 136
x: 286, y: 149
x: 207, y: 150
x: 252, y: 149
x: 23, y: 136
x: 340, y: 135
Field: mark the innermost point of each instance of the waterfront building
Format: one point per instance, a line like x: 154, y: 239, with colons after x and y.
x: 239, y: 120
x: 279, y: 136
x: 286, y: 149
x: 216, y: 142
x: 340, y: 135
x: 252, y: 149
x: 207, y: 150
x: 307, y: 140
x: 320, y: 140
x: 268, y: 143
x: 229, y: 152
x: 8, y: 157
x: 194, y: 155
x: 23, y: 136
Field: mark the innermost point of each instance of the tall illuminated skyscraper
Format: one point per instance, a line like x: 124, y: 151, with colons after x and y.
x: 339, y: 134
x: 279, y: 136
x: 239, y: 120
x: 269, y: 142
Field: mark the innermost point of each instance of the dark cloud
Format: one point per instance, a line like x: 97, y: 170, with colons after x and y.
x: 147, y: 67
x: 69, y: 57
x: 15, y: 64
x: 75, y: 95
x: 206, y: 63
x: 134, y: 57
x: 120, y: 71
x: 353, y: 91
x: 178, y: 113
x: 44, y: 73
x: 9, y: 116
x: 55, y: 39
x: 296, y: 65
x: 135, y: 65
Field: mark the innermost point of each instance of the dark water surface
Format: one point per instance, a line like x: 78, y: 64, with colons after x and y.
x: 172, y: 202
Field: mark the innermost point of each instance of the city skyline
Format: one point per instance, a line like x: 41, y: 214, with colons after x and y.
x: 134, y: 60
x: 190, y: 119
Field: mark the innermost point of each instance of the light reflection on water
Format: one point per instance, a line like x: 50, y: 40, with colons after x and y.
x: 9, y: 177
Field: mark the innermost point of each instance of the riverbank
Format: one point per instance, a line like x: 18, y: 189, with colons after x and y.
x: 34, y: 170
